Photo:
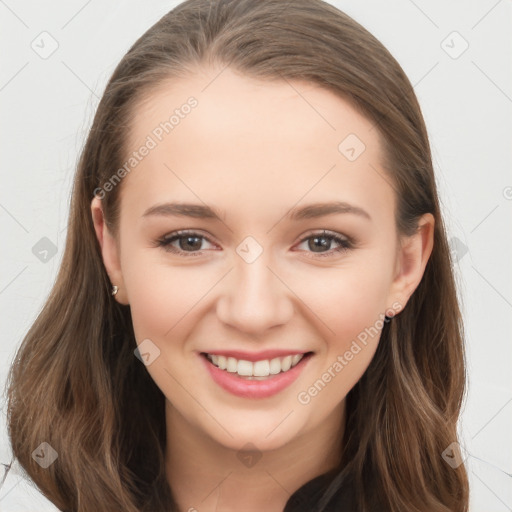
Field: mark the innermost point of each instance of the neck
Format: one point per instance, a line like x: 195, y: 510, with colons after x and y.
x: 207, y: 476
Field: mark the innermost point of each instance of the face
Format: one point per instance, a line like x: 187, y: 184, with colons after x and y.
x: 259, y: 273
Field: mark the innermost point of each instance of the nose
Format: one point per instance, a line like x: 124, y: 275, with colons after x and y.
x: 254, y: 297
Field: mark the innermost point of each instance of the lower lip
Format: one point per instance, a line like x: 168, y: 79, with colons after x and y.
x: 254, y: 388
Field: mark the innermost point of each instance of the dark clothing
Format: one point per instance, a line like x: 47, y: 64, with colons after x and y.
x: 307, y: 498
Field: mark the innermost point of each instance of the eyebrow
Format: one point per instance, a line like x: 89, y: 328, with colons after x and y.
x: 310, y: 211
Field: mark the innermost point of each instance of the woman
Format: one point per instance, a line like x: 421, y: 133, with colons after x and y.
x: 201, y: 350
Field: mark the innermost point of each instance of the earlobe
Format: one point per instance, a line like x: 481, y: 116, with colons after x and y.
x: 109, y: 251
x: 412, y: 258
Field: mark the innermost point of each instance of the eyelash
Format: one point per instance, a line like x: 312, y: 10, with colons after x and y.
x: 345, y: 243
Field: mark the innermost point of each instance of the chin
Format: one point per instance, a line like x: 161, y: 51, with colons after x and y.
x: 264, y: 435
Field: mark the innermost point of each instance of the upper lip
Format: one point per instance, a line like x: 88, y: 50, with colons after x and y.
x: 256, y: 356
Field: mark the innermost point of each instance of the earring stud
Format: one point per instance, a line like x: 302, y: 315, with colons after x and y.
x: 115, y: 289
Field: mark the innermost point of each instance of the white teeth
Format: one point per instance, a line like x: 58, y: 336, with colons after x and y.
x: 257, y: 369
x: 231, y: 364
x: 222, y: 362
x: 261, y: 368
x: 244, y: 368
x: 296, y: 358
x: 286, y: 363
x: 275, y: 366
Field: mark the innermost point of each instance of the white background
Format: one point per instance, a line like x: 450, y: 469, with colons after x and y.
x: 47, y: 106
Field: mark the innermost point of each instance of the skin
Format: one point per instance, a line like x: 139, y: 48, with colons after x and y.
x: 254, y: 150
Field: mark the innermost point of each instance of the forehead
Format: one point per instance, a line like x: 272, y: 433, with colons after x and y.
x: 222, y: 136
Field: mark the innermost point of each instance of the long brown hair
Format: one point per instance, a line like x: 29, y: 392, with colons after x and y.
x: 75, y: 382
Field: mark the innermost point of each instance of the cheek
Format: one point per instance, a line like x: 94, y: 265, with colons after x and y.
x: 353, y: 320
x: 161, y: 295
x: 344, y: 301
x: 349, y: 307
x: 162, y: 309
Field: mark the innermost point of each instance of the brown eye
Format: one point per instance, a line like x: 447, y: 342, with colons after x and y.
x: 189, y: 243
x: 317, y: 242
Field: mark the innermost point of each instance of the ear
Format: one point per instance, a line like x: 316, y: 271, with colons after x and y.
x: 109, y: 250
x: 412, y: 256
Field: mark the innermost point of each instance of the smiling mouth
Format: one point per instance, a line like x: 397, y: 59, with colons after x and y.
x: 256, y: 370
